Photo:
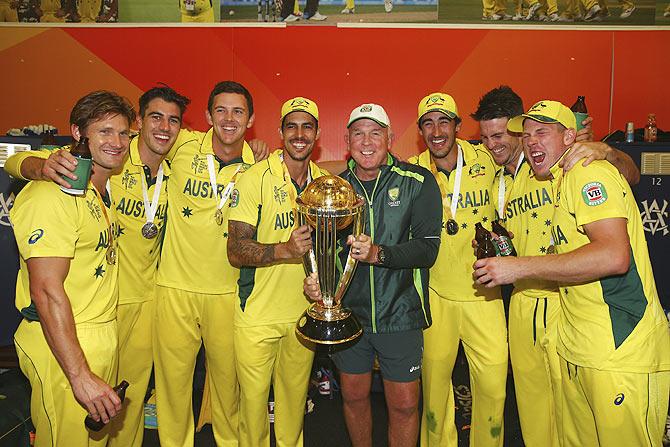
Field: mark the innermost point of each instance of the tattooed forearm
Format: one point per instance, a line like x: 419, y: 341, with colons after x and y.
x: 243, y: 250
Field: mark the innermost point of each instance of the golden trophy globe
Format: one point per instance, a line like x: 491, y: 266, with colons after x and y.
x: 331, y: 207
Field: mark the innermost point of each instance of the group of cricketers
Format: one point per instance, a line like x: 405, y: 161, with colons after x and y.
x: 185, y: 238
x: 59, y: 11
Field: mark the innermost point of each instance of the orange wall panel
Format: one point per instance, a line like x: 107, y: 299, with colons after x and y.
x: 47, y: 69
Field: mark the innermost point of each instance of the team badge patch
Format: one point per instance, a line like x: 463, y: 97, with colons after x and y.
x: 476, y: 170
x: 594, y: 193
x: 394, y: 194
x: 234, y: 198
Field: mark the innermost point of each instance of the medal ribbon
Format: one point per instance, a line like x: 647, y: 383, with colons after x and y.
x: 215, y: 187
x: 151, y: 208
x: 457, y: 184
x: 501, y: 186
x: 110, y: 233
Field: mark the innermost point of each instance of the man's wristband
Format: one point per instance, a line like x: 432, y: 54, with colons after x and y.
x: 380, y: 258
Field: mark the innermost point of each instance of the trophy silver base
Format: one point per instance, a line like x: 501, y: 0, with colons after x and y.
x: 328, y: 326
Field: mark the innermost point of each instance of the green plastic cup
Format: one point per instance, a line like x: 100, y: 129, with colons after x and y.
x: 83, y: 173
x: 579, y: 116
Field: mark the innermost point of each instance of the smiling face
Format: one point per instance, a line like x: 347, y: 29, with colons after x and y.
x: 439, y: 133
x: 229, y: 118
x: 108, y: 140
x: 369, y: 144
x: 159, y: 126
x: 299, y: 132
x: 544, y: 144
x: 503, y: 146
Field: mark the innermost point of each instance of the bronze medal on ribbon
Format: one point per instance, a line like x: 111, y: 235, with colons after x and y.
x: 218, y: 216
x: 110, y: 255
x: 452, y: 227
x: 149, y: 230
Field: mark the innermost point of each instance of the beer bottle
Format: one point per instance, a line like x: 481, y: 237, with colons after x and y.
x: 650, y: 129
x: 94, y: 425
x: 81, y: 149
x: 580, y: 111
x: 504, y: 241
x: 48, y: 138
x: 485, y: 245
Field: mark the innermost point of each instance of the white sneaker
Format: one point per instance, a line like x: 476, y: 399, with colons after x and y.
x: 291, y: 18
x: 592, y: 13
x: 666, y: 14
x: 317, y: 17
x: 554, y: 17
x: 518, y: 16
x: 500, y: 17
x: 532, y: 10
x: 348, y: 11
x: 627, y: 12
x: 388, y: 5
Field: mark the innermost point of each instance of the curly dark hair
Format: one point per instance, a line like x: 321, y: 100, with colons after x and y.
x: 167, y: 94
x: 501, y: 102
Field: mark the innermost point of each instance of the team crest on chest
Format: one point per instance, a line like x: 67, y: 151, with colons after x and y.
x: 594, y: 193
x: 199, y: 164
x: 477, y: 170
x: 394, y: 194
x: 128, y: 180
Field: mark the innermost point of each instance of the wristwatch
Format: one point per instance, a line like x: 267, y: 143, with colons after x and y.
x: 381, y: 255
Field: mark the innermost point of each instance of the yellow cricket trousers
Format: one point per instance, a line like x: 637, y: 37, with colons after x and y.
x: 536, y: 367
x: 272, y: 354
x: 481, y: 326
x: 184, y: 320
x: 56, y: 414
x: 135, y: 360
x: 608, y: 408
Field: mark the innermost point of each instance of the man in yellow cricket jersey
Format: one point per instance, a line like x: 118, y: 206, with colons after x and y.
x: 140, y: 193
x: 267, y: 244
x: 67, y: 284
x: 526, y: 206
x: 462, y: 311
x: 49, y: 9
x: 196, y: 11
x: 196, y: 298
x: 89, y: 10
x: 613, y: 339
x: 8, y: 11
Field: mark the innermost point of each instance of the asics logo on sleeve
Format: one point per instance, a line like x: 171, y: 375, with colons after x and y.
x: 35, y: 236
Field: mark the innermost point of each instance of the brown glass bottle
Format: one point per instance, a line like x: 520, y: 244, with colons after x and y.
x: 579, y: 105
x: 485, y: 245
x: 81, y: 149
x: 504, y: 241
x: 49, y: 138
x: 94, y: 425
x: 650, y: 130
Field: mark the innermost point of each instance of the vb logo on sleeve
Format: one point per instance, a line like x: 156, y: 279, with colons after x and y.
x: 594, y: 193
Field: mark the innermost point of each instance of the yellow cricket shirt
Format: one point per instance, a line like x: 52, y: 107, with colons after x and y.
x: 49, y: 223
x: 615, y: 323
x: 194, y: 7
x: 138, y: 256
x: 529, y: 210
x: 194, y: 256
x: 265, y: 198
x: 451, y: 276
